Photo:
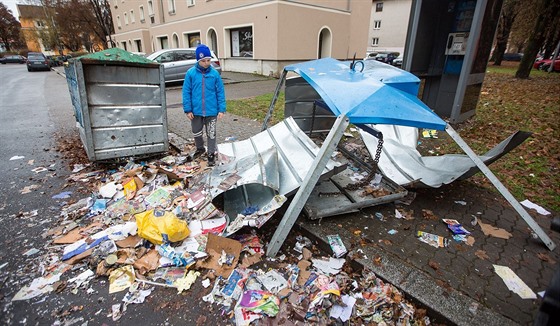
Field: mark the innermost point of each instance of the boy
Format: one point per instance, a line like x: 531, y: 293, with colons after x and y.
x: 204, y: 101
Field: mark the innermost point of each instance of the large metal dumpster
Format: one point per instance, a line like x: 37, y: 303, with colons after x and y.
x: 119, y: 104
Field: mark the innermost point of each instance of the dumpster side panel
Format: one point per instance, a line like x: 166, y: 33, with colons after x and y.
x: 126, y: 110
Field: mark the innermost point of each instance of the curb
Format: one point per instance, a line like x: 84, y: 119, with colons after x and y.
x: 445, y: 303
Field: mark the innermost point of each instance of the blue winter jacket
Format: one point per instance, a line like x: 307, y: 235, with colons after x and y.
x: 203, y: 92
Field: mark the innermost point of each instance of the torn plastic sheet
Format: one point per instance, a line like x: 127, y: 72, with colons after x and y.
x: 401, y: 162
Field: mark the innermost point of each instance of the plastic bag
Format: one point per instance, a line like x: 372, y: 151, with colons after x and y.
x: 158, y: 226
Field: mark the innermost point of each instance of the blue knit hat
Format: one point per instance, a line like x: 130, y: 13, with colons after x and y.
x: 202, y: 51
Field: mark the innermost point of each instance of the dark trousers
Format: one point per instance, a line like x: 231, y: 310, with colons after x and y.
x: 197, y: 124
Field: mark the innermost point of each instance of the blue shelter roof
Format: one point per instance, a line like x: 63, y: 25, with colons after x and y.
x: 380, y: 94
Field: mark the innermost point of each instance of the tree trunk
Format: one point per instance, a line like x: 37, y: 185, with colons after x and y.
x: 547, y: 9
x: 507, y: 17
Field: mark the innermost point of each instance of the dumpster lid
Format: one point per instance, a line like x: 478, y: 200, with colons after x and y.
x: 115, y: 55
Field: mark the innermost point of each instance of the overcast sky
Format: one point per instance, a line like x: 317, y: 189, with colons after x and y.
x: 11, y: 4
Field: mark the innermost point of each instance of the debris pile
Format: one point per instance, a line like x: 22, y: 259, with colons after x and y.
x: 155, y: 225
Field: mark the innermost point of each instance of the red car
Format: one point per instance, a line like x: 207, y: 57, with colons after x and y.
x: 545, y: 64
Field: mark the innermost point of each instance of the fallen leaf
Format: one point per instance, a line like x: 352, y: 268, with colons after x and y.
x: 433, y: 264
x: 481, y: 254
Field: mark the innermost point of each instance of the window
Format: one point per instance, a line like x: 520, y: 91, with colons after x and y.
x: 142, y: 18
x: 123, y: 44
x: 376, y: 24
x: 125, y: 18
x: 119, y: 22
x: 150, y: 8
x: 184, y: 55
x: 190, y: 3
x: 40, y: 23
x: 171, y: 4
x: 138, y: 45
x: 193, y: 39
x: 132, y: 19
x: 379, y: 7
x: 375, y: 41
x: 242, y: 42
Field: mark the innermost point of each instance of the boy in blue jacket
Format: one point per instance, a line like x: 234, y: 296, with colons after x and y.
x: 204, y: 101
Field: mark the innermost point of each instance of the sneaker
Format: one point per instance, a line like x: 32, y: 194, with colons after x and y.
x: 198, y: 153
x: 211, y: 160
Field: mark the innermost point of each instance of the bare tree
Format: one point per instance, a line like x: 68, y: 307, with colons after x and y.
x: 547, y: 9
x: 509, y: 12
x: 102, y: 22
x: 10, y: 30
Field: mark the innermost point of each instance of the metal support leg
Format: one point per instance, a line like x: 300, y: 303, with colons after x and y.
x: 307, y: 185
x: 501, y: 188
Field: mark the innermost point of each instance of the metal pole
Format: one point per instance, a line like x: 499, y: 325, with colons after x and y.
x: 307, y: 185
x: 273, y: 102
x: 501, y: 188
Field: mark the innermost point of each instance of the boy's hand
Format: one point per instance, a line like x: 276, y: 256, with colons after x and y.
x: 190, y: 115
x: 220, y: 115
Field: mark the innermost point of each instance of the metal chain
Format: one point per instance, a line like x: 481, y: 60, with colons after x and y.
x: 371, y: 175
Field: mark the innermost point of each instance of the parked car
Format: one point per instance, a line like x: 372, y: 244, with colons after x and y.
x: 513, y: 56
x: 545, y: 64
x: 13, y: 59
x: 386, y: 57
x: 37, y: 61
x: 397, y: 62
x: 176, y: 62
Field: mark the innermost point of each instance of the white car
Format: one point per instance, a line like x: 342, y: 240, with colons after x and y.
x: 176, y: 62
x: 397, y: 62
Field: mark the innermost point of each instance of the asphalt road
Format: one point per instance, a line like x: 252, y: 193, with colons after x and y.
x: 35, y: 108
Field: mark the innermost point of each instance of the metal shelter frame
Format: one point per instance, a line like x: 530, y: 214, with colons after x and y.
x: 327, y: 76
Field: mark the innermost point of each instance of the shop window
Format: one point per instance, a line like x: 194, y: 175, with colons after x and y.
x: 242, y: 42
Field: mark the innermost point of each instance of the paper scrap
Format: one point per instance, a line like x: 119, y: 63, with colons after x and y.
x: 344, y: 313
x: 514, y: 283
x: 329, y: 267
x: 488, y: 229
x: 527, y: 203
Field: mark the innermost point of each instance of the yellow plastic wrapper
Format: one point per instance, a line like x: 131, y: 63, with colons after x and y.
x: 121, y: 279
x: 158, y: 226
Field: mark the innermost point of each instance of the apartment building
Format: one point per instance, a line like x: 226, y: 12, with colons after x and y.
x: 388, y: 25
x: 253, y: 36
x: 33, y: 21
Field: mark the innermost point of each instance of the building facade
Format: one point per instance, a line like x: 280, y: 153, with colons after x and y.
x: 253, y: 36
x: 33, y: 21
x: 388, y: 25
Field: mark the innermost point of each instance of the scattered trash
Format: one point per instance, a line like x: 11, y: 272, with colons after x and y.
x: 527, y: 203
x: 392, y: 231
x: 16, y: 157
x: 488, y: 229
x: 514, y: 283
x: 62, y: 195
x: 39, y: 169
x: 231, y: 138
x: 461, y: 202
x: 455, y: 227
x: 379, y: 216
x: 338, y: 248
x: 31, y: 252
x: 121, y: 278
x: 429, y: 133
x: 432, y: 239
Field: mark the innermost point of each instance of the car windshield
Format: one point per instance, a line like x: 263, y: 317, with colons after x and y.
x: 35, y: 57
